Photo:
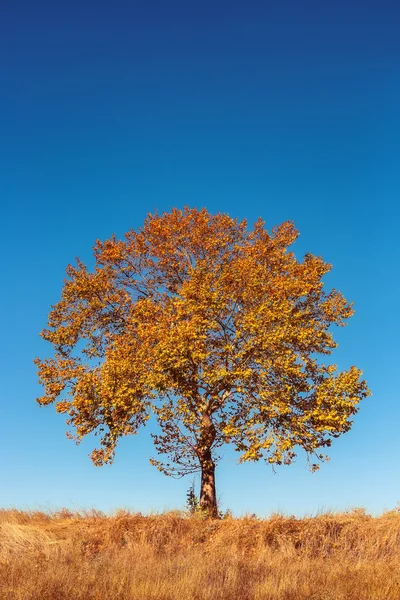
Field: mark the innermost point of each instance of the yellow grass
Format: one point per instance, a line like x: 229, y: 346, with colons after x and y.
x: 89, y: 556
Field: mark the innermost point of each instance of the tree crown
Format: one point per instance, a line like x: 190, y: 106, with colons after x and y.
x: 215, y: 328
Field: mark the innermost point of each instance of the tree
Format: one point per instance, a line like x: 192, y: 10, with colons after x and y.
x: 214, y: 328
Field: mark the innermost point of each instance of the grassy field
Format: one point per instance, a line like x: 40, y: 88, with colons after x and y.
x: 90, y: 556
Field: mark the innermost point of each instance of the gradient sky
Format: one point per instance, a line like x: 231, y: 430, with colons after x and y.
x: 280, y: 110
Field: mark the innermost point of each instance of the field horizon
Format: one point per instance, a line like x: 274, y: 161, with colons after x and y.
x: 170, y: 556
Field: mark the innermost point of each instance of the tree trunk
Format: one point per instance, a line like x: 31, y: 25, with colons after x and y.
x: 208, y: 496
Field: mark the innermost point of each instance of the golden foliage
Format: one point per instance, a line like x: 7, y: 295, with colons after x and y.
x: 200, y: 320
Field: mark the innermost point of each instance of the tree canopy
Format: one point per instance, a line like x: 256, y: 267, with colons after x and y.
x: 215, y: 328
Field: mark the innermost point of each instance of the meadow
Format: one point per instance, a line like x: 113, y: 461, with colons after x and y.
x: 174, y: 556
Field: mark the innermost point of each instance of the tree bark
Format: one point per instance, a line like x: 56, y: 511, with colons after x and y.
x: 208, y: 496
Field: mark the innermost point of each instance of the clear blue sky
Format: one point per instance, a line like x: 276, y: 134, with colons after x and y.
x: 280, y: 110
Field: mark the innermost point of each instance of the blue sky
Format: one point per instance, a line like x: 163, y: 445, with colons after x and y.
x: 279, y: 110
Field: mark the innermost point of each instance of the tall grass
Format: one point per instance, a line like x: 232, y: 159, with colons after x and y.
x: 90, y: 556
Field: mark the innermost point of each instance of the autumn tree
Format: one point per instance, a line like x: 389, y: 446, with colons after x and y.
x: 216, y: 330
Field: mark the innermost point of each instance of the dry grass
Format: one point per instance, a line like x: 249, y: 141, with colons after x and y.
x: 89, y: 556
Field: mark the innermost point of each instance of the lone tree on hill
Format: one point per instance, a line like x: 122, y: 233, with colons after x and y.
x: 215, y: 329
